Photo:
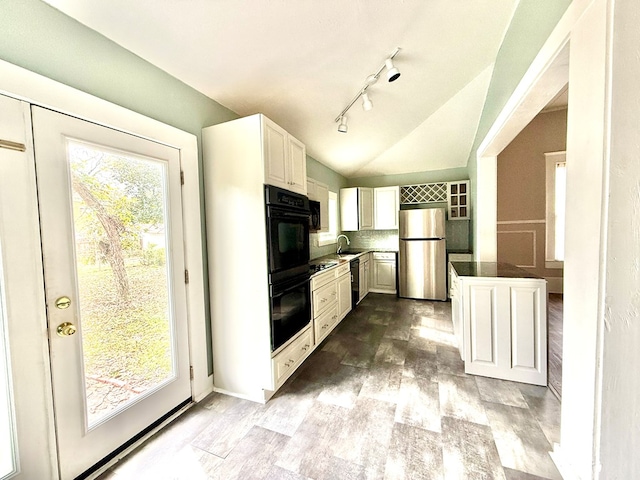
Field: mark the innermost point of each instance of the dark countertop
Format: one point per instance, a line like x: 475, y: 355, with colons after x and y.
x: 335, y: 259
x: 491, y: 270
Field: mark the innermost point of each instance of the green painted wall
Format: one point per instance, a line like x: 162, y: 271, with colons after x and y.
x: 447, y: 175
x: 324, y: 174
x: 531, y: 25
x: 37, y: 37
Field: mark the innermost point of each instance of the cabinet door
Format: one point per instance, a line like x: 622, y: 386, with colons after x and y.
x: 322, y: 195
x: 275, y: 155
x: 311, y: 189
x: 365, y: 208
x: 344, y: 295
x: 297, y: 158
x: 349, y: 209
x: 505, y: 334
x: 456, y: 311
x: 367, y: 274
x: 363, y: 282
x: 386, y: 203
x: 384, y: 275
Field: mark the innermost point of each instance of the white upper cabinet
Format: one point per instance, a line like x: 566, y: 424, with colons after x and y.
x: 285, y: 159
x: 386, y: 203
x: 356, y: 209
x: 297, y: 165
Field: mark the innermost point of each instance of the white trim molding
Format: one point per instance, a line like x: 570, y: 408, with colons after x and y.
x: 17, y: 82
x: 519, y: 222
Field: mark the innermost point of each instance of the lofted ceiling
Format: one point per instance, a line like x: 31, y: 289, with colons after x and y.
x: 300, y: 62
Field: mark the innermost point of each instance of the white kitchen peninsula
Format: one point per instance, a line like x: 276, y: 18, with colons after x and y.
x: 499, y: 314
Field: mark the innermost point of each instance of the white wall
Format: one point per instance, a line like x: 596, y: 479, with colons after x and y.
x: 620, y: 409
x: 584, y: 270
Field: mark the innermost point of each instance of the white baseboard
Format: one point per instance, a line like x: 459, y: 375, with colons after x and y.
x: 554, y: 284
x: 262, y: 398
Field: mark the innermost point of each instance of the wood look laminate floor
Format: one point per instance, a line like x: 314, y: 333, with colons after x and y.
x: 555, y: 343
x: 384, y: 397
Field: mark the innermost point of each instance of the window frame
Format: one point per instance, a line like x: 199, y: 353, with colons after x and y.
x: 551, y: 160
x: 329, y: 238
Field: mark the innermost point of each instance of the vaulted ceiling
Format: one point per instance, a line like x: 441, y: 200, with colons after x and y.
x: 300, y: 62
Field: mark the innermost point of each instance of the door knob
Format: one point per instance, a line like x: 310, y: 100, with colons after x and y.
x: 66, y: 329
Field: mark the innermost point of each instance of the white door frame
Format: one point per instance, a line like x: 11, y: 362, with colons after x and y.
x: 36, y: 89
x: 548, y: 73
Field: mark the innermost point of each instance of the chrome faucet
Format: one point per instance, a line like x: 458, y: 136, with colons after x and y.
x: 338, y: 242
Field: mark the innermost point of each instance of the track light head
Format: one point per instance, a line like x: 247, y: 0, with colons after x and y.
x: 392, y: 72
x: 342, y: 128
x: 367, y: 104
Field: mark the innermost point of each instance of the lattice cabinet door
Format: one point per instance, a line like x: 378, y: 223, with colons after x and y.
x: 458, y: 200
x: 427, y: 193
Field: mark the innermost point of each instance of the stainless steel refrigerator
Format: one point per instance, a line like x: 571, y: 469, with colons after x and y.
x: 422, y: 271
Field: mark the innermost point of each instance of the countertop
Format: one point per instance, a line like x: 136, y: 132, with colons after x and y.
x: 491, y: 270
x: 336, y: 259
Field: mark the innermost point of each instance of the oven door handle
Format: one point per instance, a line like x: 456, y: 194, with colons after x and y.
x: 278, y: 292
x: 297, y: 215
x: 280, y: 214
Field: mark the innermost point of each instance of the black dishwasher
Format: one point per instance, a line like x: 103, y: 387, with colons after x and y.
x: 355, y: 281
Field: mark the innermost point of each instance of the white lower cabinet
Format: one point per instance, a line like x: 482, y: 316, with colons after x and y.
x: 324, y: 323
x: 286, y: 361
x: 501, y: 326
x: 344, y: 294
x: 331, y: 299
x: 383, y: 272
x: 364, y: 276
x: 456, y: 310
x: 324, y: 297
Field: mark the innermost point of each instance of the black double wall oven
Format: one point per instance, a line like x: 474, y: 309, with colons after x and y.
x: 287, y: 216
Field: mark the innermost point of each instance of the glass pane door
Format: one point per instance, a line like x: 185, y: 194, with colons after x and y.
x: 112, y: 242
x: 120, y: 225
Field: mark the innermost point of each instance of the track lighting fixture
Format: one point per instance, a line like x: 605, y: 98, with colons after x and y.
x: 367, y: 104
x: 392, y: 75
x: 392, y: 72
x: 342, y: 128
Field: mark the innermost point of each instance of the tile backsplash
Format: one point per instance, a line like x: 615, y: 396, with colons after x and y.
x: 457, y: 239
x: 383, y: 239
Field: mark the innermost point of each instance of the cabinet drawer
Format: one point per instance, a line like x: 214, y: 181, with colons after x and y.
x: 342, y: 269
x: 324, y: 297
x: 285, y: 362
x: 384, y: 256
x: 322, y: 279
x: 325, y: 323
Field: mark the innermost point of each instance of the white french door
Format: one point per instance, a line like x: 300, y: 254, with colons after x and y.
x: 111, y: 227
x: 27, y: 442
